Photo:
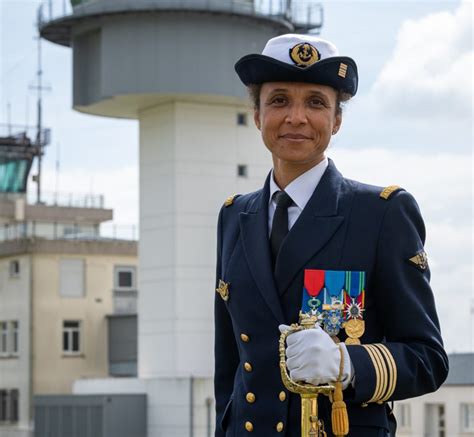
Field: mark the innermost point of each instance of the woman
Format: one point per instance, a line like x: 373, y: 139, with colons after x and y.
x: 314, y: 242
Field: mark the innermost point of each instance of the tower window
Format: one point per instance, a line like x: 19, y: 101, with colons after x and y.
x: 242, y: 119
x: 14, y: 268
x: 242, y: 171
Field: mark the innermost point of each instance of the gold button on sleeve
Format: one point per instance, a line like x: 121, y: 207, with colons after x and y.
x: 248, y: 367
x: 250, y: 397
x: 280, y: 426
x: 282, y: 396
x: 249, y: 426
x: 245, y: 338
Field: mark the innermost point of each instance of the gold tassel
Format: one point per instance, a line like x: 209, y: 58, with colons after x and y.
x: 339, y: 417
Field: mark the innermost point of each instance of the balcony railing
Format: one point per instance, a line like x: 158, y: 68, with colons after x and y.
x: 69, y: 232
x: 71, y: 200
x: 303, y: 14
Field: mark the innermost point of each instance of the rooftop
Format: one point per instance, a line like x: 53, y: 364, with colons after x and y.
x: 57, y: 17
x: 461, y: 369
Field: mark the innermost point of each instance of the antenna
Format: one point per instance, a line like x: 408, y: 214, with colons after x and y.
x: 40, y: 141
x: 58, y: 161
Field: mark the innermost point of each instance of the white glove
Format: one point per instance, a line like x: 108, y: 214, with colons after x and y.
x: 313, y: 357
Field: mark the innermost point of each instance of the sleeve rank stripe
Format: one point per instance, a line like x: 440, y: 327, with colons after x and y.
x: 384, y: 373
x: 393, y: 368
x: 378, y: 373
x: 379, y: 369
x: 389, y: 370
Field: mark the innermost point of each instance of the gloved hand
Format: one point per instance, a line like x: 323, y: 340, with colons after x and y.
x: 313, y: 357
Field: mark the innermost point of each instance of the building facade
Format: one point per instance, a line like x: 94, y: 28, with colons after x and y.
x: 60, y: 281
x: 448, y: 412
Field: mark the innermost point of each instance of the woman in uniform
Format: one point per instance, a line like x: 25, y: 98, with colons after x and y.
x: 313, y: 242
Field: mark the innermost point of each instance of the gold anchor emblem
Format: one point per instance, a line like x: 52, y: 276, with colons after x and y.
x: 223, y: 290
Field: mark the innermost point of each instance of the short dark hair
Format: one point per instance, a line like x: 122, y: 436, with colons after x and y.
x: 254, y: 94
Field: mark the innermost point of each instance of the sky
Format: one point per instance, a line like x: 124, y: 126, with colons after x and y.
x: 409, y: 125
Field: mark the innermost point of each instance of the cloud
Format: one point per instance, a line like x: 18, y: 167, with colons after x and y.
x: 442, y: 185
x: 430, y: 71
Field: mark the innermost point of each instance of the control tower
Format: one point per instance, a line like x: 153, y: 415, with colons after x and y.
x: 169, y: 64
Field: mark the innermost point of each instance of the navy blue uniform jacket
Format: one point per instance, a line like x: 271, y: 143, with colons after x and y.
x: 346, y: 225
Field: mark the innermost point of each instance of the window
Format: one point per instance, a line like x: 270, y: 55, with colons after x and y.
x: 9, y: 338
x: 404, y: 415
x: 242, y: 170
x: 242, y: 119
x: 9, y: 405
x: 71, y: 277
x: 14, y: 407
x: 14, y: 337
x: 3, y: 338
x: 71, y: 337
x: 14, y: 268
x: 3, y: 405
x: 435, y: 422
x: 125, y: 278
x: 467, y: 417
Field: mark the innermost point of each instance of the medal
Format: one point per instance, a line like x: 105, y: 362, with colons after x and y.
x: 333, y: 314
x: 353, y: 310
x: 350, y: 341
x: 332, y: 322
x: 355, y: 328
x: 313, y: 284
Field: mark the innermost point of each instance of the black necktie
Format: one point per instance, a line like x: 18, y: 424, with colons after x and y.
x: 280, y: 222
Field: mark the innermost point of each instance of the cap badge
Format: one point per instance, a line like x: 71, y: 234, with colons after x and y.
x: 304, y: 54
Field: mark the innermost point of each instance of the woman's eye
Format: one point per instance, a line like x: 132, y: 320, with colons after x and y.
x: 316, y: 102
x: 278, y: 101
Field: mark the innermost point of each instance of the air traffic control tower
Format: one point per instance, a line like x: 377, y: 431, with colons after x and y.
x: 170, y: 65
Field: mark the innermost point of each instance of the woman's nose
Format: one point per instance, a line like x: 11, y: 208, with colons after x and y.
x: 296, y: 115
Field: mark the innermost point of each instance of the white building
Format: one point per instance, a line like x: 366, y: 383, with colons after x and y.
x: 449, y: 412
x: 196, y: 148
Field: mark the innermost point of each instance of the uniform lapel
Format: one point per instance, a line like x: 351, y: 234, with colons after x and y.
x: 313, y: 229
x: 254, y: 231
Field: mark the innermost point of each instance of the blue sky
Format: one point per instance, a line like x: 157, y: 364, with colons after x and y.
x: 410, y: 125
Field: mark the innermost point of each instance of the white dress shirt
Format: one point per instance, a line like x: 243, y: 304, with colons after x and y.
x: 300, y: 190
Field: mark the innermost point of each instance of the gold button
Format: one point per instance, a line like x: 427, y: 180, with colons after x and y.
x: 248, y: 367
x: 245, y: 338
x: 280, y: 426
x: 282, y: 396
x: 250, y: 397
x: 249, y: 426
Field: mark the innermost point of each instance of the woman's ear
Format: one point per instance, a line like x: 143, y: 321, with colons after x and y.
x: 337, y: 124
x: 256, y: 118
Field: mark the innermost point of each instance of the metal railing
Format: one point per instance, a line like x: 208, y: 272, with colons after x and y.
x: 69, y: 232
x: 71, y: 200
x: 304, y: 13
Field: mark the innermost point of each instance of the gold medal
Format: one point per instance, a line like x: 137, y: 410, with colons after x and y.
x: 350, y: 341
x: 355, y: 328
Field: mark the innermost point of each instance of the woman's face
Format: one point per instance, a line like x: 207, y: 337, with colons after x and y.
x: 297, y: 120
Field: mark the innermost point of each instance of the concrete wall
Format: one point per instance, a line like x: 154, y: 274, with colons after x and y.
x: 15, y: 371
x: 54, y: 372
x: 167, y: 54
x: 189, y: 154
